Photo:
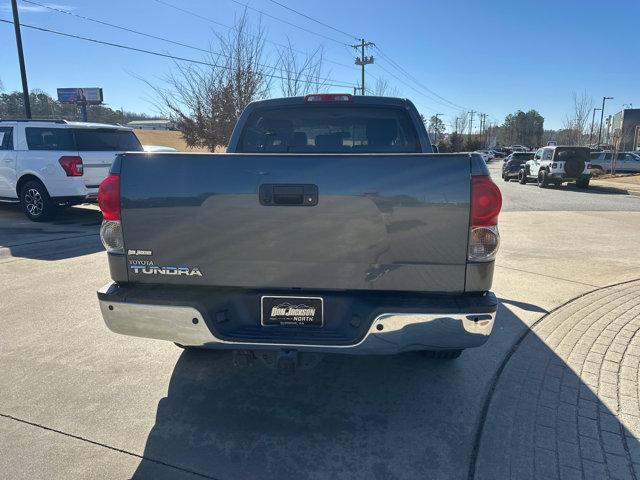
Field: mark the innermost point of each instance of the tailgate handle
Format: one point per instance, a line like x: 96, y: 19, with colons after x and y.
x: 292, y: 195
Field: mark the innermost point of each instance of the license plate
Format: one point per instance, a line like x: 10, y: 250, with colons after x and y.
x: 292, y: 311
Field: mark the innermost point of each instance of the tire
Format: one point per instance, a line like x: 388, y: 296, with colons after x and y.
x: 583, y: 184
x: 36, y: 202
x: 543, y: 182
x: 442, y: 354
x: 505, y: 177
x: 522, y: 177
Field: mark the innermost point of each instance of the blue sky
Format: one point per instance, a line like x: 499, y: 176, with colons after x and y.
x: 491, y: 56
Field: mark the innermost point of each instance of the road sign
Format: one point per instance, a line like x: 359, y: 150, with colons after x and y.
x: 85, y: 96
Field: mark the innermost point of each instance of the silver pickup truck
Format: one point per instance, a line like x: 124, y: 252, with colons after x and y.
x: 329, y: 226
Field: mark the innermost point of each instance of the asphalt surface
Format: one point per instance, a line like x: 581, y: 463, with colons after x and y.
x: 80, y: 402
x: 523, y: 198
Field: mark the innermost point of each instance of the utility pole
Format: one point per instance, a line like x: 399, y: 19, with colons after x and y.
x: 472, y: 113
x: 363, y: 60
x: 604, y: 99
x: 457, y: 118
x: 593, y: 117
x: 435, y: 127
x: 23, y: 70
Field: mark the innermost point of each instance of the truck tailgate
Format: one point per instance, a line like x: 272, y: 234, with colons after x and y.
x: 381, y: 222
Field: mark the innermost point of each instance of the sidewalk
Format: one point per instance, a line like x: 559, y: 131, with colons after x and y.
x: 629, y: 184
x: 566, y: 403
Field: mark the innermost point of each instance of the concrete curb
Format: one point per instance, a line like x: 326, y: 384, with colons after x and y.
x: 632, y: 190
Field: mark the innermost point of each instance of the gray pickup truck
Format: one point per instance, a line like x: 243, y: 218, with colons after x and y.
x: 329, y: 226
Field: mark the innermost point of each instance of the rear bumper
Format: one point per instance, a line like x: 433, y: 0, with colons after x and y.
x: 387, y: 332
x: 566, y: 178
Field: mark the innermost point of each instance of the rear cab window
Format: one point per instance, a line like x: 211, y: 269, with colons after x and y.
x: 329, y: 129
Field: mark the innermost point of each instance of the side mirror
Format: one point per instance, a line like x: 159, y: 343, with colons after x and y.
x: 435, y: 148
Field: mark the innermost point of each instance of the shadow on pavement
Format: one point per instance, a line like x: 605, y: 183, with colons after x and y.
x: 398, y: 417
x: 529, y: 307
x: 73, y: 232
x: 592, y: 190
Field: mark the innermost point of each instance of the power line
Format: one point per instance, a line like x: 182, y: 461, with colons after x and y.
x: 155, y: 37
x: 159, y: 54
x: 119, y: 27
x: 404, y: 83
x: 245, y: 5
x: 417, y: 82
x: 314, y: 20
x: 215, y: 22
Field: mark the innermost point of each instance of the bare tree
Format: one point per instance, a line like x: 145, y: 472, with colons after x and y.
x: 460, y: 123
x: 206, y: 100
x: 575, y: 124
x: 384, y: 89
x: 300, y: 74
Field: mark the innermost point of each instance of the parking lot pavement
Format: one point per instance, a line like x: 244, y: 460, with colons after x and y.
x: 529, y: 197
x: 144, y: 408
x: 73, y: 232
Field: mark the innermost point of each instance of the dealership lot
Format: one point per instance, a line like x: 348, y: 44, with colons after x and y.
x: 80, y: 402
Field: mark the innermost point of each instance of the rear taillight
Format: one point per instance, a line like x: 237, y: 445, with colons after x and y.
x: 72, y: 166
x: 328, y: 97
x: 486, y: 202
x: 109, y: 197
x: 109, y: 202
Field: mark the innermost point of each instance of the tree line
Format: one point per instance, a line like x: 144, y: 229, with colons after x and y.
x: 44, y: 107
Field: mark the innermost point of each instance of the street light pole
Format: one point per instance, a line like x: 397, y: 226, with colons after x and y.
x: 23, y: 70
x: 435, y: 127
x: 593, y: 117
x: 604, y: 99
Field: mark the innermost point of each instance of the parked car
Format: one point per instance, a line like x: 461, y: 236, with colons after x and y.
x: 46, y: 165
x: 484, y: 155
x: 489, y: 153
x: 498, y: 153
x: 373, y: 245
x: 627, y: 162
x: 158, y: 148
x: 513, y: 163
x: 518, y: 148
x: 556, y: 165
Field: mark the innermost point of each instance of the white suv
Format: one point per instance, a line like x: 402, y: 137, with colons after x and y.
x: 46, y: 164
x: 555, y: 165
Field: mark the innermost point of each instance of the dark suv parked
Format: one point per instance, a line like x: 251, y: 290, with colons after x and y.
x: 513, y: 163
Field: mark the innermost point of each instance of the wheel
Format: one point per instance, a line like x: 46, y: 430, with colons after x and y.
x: 597, y: 171
x: 543, y: 182
x: 36, y: 202
x: 505, y: 177
x: 582, y: 183
x: 522, y: 177
x: 443, y: 354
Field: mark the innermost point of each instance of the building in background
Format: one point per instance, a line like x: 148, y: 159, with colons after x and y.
x: 152, y: 124
x: 626, y: 124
